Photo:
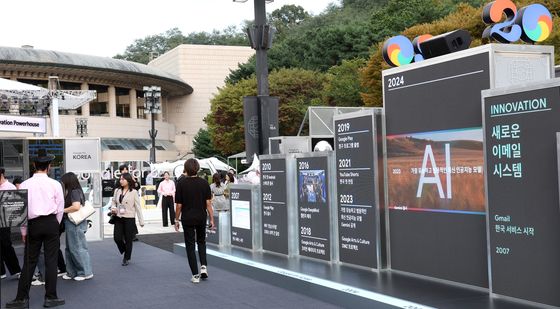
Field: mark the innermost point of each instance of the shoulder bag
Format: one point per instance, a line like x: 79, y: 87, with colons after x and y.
x: 85, y: 212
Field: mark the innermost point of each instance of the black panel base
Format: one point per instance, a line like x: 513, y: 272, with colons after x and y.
x: 350, y: 287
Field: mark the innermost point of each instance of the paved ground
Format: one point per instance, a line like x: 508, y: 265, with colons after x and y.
x: 160, y: 279
x: 157, y: 278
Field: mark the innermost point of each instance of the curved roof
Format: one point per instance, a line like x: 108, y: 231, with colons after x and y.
x: 76, y: 64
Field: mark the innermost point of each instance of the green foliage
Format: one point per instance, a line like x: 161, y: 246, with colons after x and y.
x: 140, y: 50
x: 347, y: 32
x: 342, y: 86
x: 202, y: 145
x: 286, y: 18
x: 229, y: 36
x: 296, y: 89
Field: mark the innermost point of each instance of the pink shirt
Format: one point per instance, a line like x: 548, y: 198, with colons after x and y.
x: 167, y: 187
x: 45, y: 197
x: 7, y: 186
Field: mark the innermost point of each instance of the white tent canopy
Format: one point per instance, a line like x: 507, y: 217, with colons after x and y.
x: 67, y: 99
x: 176, y: 168
x: 8, y: 84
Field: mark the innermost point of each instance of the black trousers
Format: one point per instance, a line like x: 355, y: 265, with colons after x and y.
x: 41, y: 231
x: 199, y: 232
x: 167, y: 204
x: 61, y: 263
x: 123, y: 234
x: 8, y: 254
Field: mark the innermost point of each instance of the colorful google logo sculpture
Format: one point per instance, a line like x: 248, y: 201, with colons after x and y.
x: 531, y: 24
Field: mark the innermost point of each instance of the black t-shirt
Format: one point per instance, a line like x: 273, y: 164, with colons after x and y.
x: 192, y: 193
x: 76, y: 195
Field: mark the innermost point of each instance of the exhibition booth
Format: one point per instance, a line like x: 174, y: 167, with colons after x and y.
x: 446, y: 197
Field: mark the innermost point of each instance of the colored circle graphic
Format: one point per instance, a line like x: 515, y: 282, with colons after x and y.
x: 536, y: 22
x: 398, y: 51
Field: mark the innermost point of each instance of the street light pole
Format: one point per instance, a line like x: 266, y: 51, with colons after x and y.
x: 260, y: 113
x: 261, y: 51
x: 152, y: 95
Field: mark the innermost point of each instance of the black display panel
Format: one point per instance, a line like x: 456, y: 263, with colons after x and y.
x: 523, y: 203
x: 107, y: 187
x: 241, y: 225
x: 435, y: 184
x: 274, y: 208
x: 357, y: 208
x: 13, y: 208
x: 213, y: 234
x: 314, y: 207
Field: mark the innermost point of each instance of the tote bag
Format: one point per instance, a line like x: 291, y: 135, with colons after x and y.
x: 85, y: 212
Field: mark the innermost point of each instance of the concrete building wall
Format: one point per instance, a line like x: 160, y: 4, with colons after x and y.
x: 205, y: 67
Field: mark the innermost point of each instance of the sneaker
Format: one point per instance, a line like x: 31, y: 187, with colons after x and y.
x: 37, y: 282
x: 3, y: 276
x: 195, y: 279
x: 17, y: 275
x: 82, y: 278
x: 203, y: 272
x: 61, y: 273
x: 66, y: 277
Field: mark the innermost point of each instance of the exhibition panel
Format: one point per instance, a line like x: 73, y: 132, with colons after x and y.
x: 520, y: 125
x: 278, y: 204
x: 245, y: 216
x: 359, y: 222
x: 316, y: 217
x: 434, y: 157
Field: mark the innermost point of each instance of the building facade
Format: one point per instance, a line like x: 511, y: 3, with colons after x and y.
x: 117, y: 115
x: 205, y: 67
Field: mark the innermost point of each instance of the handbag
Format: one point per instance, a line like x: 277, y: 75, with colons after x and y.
x: 112, y: 218
x: 85, y: 212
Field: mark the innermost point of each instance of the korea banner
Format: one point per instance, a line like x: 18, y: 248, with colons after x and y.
x: 82, y: 155
x: 23, y: 124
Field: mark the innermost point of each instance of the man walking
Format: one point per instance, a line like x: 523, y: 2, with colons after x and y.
x: 45, y: 210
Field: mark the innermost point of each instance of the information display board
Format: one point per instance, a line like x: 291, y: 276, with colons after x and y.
x: 274, y: 205
x: 314, y: 207
x: 435, y: 185
x: 241, y: 214
x: 13, y: 208
x: 213, y: 234
x: 357, y: 195
x: 520, y: 128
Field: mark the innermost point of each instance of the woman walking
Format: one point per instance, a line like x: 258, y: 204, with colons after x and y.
x: 219, y: 201
x: 126, y: 206
x: 78, y: 263
x: 193, y: 200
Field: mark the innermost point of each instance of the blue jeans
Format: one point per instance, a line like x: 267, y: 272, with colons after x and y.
x: 78, y: 262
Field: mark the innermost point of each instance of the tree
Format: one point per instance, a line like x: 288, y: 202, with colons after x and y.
x: 140, y: 50
x: 202, y: 145
x: 296, y: 89
x: 342, y: 86
x: 286, y: 18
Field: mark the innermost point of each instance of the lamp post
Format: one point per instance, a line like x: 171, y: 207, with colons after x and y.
x: 260, y: 36
x: 81, y: 127
x: 152, y: 105
x: 261, y: 112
